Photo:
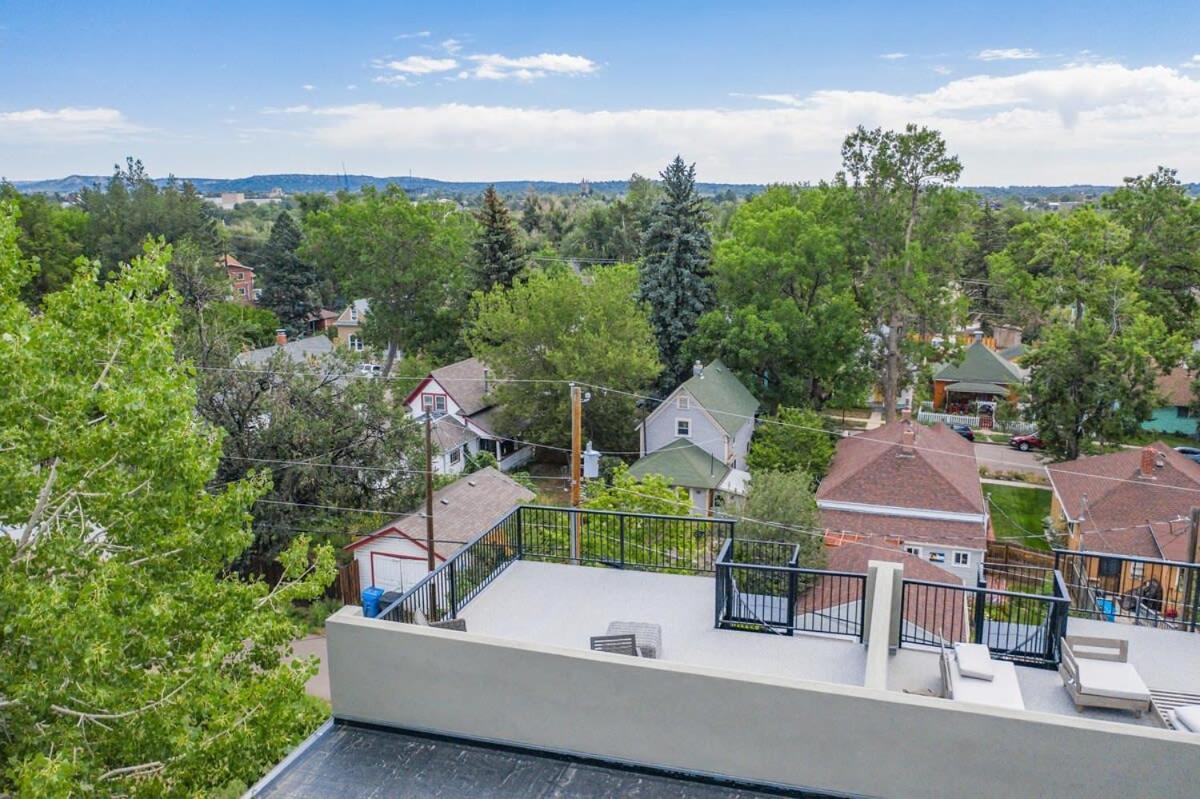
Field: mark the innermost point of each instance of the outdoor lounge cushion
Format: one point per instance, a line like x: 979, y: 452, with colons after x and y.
x: 1114, y: 679
x: 975, y: 661
x: 1188, y: 718
x: 1002, y: 691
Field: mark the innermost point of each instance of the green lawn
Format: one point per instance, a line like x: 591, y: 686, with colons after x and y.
x: 1017, y: 514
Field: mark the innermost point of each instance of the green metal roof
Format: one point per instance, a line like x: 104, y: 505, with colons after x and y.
x: 683, y: 464
x: 981, y: 365
x: 977, y: 388
x: 724, y: 397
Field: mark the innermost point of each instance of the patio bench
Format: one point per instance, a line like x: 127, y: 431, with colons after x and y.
x: 1097, y: 673
x: 647, y: 634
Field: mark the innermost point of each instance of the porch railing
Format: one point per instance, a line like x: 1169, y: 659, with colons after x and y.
x: 761, y: 587
x: 1026, y: 628
x: 647, y: 542
x: 1146, y: 591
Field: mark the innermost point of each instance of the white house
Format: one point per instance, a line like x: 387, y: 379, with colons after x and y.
x: 698, y: 437
x: 395, y: 556
x: 456, y: 396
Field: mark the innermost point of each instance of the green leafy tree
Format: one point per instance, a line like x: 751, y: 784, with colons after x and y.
x: 787, y: 319
x: 291, y: 286
x: 407, y: 258
x: 497, y: 256
x: 48, y: 235
x: 1093, y: 368
x: 622, y: 491
x: 909, y: 239
x: 131, y: 662
x: 531, y: 213
x: 780, y: 507
x: 674, y: 271
x: 1163, y: 245
x: 132, y: 208
x: 330, y: 438
x: 797, y: 439
x: 552, y: 327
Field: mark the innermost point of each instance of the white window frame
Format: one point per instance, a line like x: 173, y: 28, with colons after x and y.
x: 455, y: 456
x: 913, y: 551
x: 687, y: 423
x: 962, y: 558
x: 430, y: 402
x: 353, y: 314
x: 355, y: 342
x: 683, y: 402
x: 937, y: 556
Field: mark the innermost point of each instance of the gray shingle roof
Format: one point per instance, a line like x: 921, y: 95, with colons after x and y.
x: 464, y: 382
x: 724, y: 397
x: 300, y: 350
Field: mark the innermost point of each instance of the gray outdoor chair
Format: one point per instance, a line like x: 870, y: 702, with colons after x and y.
x: 615, y: 644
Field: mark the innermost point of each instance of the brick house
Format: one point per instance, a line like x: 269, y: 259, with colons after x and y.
x: 241, y: 279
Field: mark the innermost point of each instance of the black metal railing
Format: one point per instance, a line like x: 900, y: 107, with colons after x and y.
x: 647, y: 542
x: 1146, y: 591
x: 760, y: 587
x: 1026, y: 628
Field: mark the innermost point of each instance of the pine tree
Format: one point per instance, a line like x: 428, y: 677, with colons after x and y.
x: 674, y: 270
x: 290, y: 288
x: 497, y: 259
x: 531, y: 213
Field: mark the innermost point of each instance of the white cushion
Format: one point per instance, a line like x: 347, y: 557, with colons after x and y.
x: 1188, y: 718
x: 1002, y: 691
x: 1117, y: 680
x: 974, y: 661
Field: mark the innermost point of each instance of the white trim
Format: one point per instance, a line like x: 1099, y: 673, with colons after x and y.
x: 687, y: 421
x: 966, y: 557
x: 683, y: 402
x: 904, y: 513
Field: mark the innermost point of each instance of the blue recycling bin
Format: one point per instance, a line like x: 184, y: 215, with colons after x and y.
x: 370, y: 599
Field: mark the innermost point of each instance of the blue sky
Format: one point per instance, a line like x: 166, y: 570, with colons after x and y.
x: 1024, y: 92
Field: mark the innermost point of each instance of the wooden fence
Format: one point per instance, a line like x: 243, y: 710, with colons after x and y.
x: 346, y: 587
x: 1004, y: 552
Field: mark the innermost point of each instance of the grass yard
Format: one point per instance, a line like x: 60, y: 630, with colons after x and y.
x: 1017, y: 514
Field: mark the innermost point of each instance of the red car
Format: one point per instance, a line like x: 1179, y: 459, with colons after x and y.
x: 1026, y: 443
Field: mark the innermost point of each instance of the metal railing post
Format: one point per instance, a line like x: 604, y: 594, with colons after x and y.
x: 453, y: 570
x: 791, y: 608
x: 980, y: 601
x: 520, y: 533
x: 622, y: 541
x: 573, y: 529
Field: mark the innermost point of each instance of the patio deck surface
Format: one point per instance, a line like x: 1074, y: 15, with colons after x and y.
x: 559, y: 605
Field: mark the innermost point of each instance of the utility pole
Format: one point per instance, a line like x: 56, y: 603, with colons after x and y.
x: 429, y: 489
x: 576, y: 459
x: 1191, y: 593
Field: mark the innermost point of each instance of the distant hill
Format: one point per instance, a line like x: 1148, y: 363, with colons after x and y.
x: 299, y: 184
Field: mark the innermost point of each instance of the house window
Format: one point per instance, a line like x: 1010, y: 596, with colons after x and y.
x: 913, y: 550
x: 239, y: 275
x: 937, y: 557
x: 1109, y: 567
x: 1183, y: 412
x: 683, y: 403
x: 353, y: 314
x: 455, y: 456
x: 356, y: 343
x: 242, y: 290
x: 435, y: 403
x: 683, y: 428
x: 962, y: 558
x: 1135, y: 569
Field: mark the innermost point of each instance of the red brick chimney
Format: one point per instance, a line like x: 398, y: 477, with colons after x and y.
x: 1149, y: 458
x: 280, y: 337
x: 908, y: 437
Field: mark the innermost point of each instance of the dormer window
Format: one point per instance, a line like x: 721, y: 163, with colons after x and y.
x: 683, y: 402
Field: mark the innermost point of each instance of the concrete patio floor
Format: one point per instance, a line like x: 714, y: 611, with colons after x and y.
x: 559, y: 605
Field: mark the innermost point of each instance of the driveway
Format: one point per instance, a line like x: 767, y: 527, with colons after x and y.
x: 1003, y: 458
x: 318, y: 685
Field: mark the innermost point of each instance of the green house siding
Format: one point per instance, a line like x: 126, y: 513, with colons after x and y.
x: 1169, y: 420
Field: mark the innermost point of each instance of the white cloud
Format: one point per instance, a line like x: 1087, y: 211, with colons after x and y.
x: 418, y: 65
x: 942, y: 70
x: 413, y: 35
x: 351, y: 86
x: 308, y: 87
x: 1007, y: 54
x: 490, y: 66
x: 1192, y: 63
x: 65, y: 125
x: 452, y: 46
x: 1090, y: 123
x: 893, y: 56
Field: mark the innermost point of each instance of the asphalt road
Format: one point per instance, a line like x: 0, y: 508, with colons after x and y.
x: 1003, y: 458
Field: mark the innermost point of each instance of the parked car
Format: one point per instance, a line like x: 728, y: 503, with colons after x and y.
x: 1026, y: 442
x: 1191, y: 453
x: 964, y: 430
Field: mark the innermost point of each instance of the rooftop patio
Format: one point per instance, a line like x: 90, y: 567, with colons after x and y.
x: 561, y: 605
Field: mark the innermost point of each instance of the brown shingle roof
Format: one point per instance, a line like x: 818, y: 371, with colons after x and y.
x: 940, y: 475
x: 464, y: 382
x: 1127, y: 514
x: 969, y: 535
x: 461, y: 511
x: 1176, y: 386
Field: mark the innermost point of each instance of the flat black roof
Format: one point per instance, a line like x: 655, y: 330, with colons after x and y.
x: 350, y: 760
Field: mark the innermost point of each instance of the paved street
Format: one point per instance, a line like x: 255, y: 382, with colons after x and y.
x: 318, y: 685
x: 1003, y: 458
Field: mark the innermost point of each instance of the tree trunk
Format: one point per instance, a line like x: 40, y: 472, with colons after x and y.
x: 390, y: 360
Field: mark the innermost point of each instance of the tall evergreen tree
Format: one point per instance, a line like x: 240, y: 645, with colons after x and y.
x: 531, y: 213
x: 290, y: 284
x: 674, y: 271
x: 497, y: 257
